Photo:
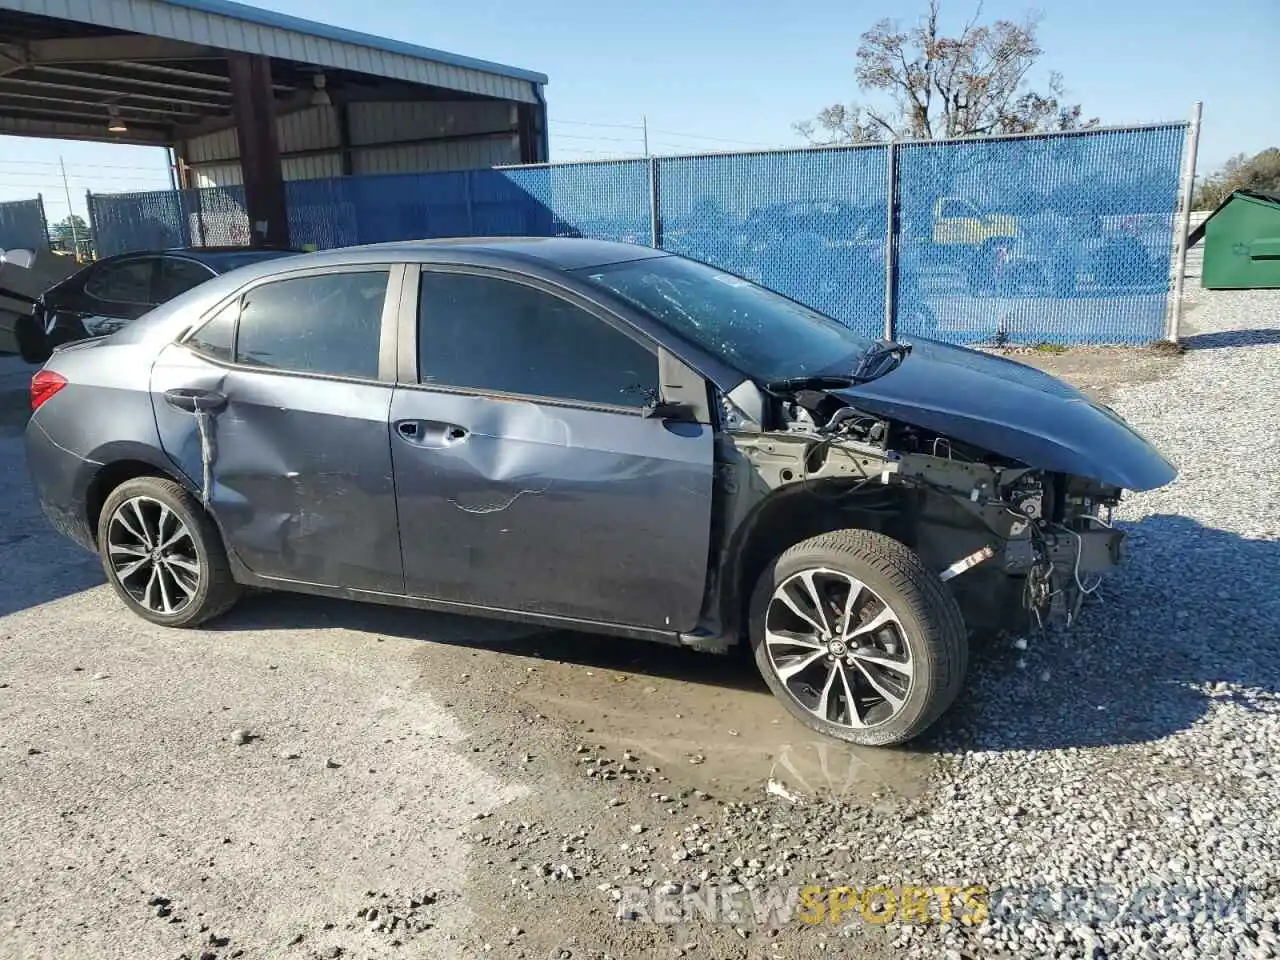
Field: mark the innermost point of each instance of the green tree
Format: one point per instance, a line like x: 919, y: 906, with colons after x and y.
x: 926, y: 85
x: 1260, y: 172
x: 62, y: 233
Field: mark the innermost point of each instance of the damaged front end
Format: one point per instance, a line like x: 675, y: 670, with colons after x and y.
x: 1020, y: 540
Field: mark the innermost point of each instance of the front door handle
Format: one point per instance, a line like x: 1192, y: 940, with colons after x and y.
x: 431, y: 433
x: 195, y: 401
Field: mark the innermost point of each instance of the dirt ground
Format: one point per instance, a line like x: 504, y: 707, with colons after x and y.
x: 1098, y: 371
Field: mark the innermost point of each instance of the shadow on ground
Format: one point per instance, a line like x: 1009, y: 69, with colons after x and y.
x: 1194, y: 607
x: 1228, y: 339
x: 294, y: 611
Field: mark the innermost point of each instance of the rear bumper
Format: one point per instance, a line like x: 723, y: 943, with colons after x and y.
x: 61, y: 479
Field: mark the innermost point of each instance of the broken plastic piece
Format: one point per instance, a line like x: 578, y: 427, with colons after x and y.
x: 968, y: 563
x: 204, y: 426
x: 777, y: 789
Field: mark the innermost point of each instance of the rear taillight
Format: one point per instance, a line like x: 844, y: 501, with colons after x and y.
x: 43, y: 386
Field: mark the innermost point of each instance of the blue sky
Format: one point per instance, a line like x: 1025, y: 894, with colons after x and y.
x: 735, y: 74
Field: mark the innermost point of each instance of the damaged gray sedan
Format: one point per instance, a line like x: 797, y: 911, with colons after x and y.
x: 594, y: 436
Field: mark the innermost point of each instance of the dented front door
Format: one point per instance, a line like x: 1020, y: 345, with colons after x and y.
x: 552, y: 509
x: 298, y: 468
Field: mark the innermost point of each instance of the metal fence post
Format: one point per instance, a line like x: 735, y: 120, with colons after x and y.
x: 44, y: 220
x: 655, y: 207
x: 93, y: 228
x: 184, y: 217
x: 471, y: 203
x: 1185, y: 197
x: 891, y: 244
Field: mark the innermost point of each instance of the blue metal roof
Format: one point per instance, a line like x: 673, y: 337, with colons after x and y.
x: 282, y: 21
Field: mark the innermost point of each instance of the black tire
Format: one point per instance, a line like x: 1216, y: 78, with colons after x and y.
x: 32, y: 346
x: 216, y: 590
x: 931, y: 621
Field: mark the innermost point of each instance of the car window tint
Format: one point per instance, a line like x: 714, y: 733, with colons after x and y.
x: 319, y: 324
x: 125, y: 282
x: 217, y: 338
x: 496, y: 335
x: 178, y: 276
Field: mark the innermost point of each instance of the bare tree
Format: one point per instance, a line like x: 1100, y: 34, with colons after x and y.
x: 936, y: 86
x: 1260, y: 172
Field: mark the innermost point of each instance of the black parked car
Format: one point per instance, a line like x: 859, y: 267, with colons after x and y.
x: 104, y: 296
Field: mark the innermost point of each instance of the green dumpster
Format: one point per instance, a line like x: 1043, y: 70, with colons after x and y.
x: 1241, y: 243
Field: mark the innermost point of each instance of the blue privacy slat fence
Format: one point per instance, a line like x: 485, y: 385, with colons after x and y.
x: 1059, y: 238
x: 22, y: 225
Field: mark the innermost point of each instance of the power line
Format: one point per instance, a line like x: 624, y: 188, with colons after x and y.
x: 643, y: 129
x: 698, y: 136
x: 590, y: 123
x: 50, y: 163
x: 570, y: 136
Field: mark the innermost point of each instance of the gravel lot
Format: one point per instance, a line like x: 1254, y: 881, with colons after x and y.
x: 312, y: 776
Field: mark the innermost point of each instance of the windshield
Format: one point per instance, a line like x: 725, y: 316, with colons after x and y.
x: 751, y: 328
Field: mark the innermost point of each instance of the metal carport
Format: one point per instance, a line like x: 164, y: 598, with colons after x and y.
x: 246, y: 95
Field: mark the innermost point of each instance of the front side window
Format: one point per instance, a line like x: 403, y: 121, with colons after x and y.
x: 491, y: 334
x: 217, y: 338
x: 749, y: 327
x: 328, y: 324
x: 125, y: 282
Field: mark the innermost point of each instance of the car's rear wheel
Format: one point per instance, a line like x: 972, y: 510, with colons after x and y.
x: 163, y: 555
x: 857, y: 638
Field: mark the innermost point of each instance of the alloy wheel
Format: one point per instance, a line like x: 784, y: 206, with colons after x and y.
x: 153, y: 555
x: 838, y: 649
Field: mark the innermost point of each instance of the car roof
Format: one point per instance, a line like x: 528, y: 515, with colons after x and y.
x: 555, y: 253
x: 558, y: 253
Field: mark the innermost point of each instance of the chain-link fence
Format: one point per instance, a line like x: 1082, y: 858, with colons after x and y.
x: 23, y: 225
x: 1059, y: 239
x: 162, y: 219
x: 808, y: 223
x: 608, y: 200
x: 1055, y: 238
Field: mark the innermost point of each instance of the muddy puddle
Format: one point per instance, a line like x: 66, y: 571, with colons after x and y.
x: 719, y: 730
x: 707, y: 721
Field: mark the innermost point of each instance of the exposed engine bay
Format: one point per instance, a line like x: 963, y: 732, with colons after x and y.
x: 1020, y: 547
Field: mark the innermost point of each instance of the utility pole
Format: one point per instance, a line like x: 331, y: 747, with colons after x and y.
x: 644, y: 121
x: 71, y: 214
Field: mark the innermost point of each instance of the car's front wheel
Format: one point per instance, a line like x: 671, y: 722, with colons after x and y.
x: 163, y: 555
x: 857, y: 638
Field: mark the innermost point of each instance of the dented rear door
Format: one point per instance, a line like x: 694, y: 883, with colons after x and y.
x: 295, y: 465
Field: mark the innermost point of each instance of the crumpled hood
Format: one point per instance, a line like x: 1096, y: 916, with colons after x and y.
x: 1012, y: 410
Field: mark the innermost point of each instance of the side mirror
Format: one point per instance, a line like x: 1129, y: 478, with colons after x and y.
x: 18, y: 258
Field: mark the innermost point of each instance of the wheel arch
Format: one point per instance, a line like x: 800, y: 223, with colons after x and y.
x: 117, y: 463
x: 795, y: 513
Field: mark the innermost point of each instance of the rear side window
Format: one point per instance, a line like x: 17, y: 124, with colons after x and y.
x: 217, y: 338
x: 125, y: 282
x: 496, y: 335
x: 327, y: 324
x: 177, y: 276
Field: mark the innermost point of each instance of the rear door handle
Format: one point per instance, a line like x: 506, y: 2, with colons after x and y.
x: 431, y: 433
x: 195, y: 401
